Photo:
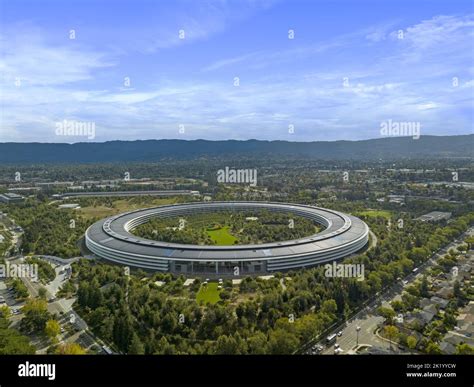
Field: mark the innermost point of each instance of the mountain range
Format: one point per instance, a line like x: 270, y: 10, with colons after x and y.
x: 390, y: 148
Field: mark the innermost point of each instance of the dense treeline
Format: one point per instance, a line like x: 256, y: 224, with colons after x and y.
x: 139, y: 317
x: 47, y: 229
x: 12, y: 342
x: 46, y: 272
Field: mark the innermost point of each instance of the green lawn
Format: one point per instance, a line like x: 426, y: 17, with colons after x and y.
x: 222, y: 236
x: 209, y: 293
x: 375, y: 213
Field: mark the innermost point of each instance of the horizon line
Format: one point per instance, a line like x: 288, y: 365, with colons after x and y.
x: 236, y: 140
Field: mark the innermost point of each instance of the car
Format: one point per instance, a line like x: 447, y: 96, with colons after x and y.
x: 336, y: 346
x: 405, y: 282
x: 331, y: 339
x: 62, y: 330
x: 318, y: 349
x: 339, y: 334
x: 16, y: 311
x: 52, y: 299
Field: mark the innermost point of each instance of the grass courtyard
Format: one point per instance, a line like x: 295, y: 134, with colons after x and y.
x: 222, y: 236
x: 208, y: 294
x: 121, y: 205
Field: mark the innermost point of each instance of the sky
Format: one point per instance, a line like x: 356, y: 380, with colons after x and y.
x: 299, y: 70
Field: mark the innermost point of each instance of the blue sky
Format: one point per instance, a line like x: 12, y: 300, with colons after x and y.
x: 236, y: 74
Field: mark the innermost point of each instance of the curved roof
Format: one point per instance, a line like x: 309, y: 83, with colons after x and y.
x: 113, y: 234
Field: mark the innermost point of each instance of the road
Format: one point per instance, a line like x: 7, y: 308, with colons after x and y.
x: 368, y: 322
x: 348, y: 340
x: 61, y: 307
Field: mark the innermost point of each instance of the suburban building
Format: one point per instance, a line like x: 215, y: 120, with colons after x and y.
x: 435, y: 216
x: 11, y: 197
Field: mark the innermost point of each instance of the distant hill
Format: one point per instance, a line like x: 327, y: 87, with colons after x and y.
x: 154, y: 150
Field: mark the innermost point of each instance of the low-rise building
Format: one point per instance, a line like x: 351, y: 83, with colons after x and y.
x: 439, y: 302
x: 434, y: 216
x: 71, y: 206
x: 11, y: 197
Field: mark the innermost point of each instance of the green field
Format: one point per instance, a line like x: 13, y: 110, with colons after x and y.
x: 121, y: 205
x: 208, y: 294
x: 222, y: 236
x: 375, y: 214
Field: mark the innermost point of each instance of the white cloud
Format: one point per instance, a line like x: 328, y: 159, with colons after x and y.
x: 70, y: 82
x: 32, y: 61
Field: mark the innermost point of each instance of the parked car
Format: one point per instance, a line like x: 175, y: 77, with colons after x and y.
x: 317, y: 349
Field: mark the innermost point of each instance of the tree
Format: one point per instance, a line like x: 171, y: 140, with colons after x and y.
x: 94, y: 295
x: 329, y: 307
x: 464, y: 349
x: 5, y: 312
x: 411, y: 342
x: 432, y: 348
x: 36, y: 315
x: 397, y: 305
x: 70, y: 349
x: 42, y: 293
x: 308, y: 326
x: 391, y: 332
x: 257, y: 343
x: 388, y: 313
x: 83, y: 294
x: 12, y: 342
x: 52, y: 329
x: 424, y: 292
x: 227, y: 345
x: 374, y: 281
x: 282, y: 342
x: 122, y: 331
x: 136, y: 346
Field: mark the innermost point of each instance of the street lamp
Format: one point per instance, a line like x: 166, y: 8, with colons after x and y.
x: 357, y: 340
